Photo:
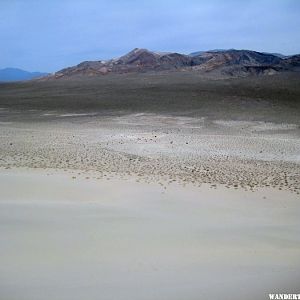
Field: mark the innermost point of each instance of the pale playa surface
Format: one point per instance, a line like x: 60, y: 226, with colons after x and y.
x: 245, y: 154
x: 117, y: 239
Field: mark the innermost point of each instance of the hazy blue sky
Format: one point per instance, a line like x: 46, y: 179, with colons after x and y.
x: 47, y: 35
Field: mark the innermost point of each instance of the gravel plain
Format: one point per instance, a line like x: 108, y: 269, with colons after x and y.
x: 162, y: 148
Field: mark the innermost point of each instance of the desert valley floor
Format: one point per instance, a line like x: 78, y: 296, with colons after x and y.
x: 151, y: 202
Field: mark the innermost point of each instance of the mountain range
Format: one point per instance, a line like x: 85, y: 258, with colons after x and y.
x: 14, y: 74
x: 216, y: 62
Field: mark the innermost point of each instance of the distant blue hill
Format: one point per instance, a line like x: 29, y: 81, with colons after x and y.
x: 13, y: 74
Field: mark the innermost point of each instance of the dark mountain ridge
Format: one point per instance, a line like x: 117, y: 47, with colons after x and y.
x: 223, y: 62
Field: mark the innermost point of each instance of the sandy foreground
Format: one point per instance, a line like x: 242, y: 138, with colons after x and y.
x: 148, y: 207
x: 89, y: 239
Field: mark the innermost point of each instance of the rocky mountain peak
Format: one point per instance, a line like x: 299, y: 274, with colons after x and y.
x: 229, y: 62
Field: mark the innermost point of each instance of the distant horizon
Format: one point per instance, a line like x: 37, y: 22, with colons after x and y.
x: 99, y: 59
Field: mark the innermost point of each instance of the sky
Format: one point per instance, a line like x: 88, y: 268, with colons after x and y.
x: 48, y: 35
